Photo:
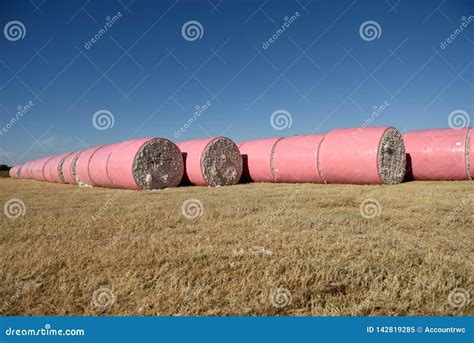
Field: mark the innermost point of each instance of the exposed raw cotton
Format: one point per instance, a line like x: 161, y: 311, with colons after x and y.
x: 66, y: 169
x: 55, y: 166
x: 212, y: 161
x: 257, y: 156
x: 295, y: 159
x: 440, y: 154
x: 145, y: 163
x: 81, y: 168
x: 374, y: 155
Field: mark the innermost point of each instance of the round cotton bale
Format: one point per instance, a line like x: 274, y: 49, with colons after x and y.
x: 98, y: 165
x: 257, y: 156
x: 26, y: 170
x: 146, y: 163
x: 295, y: 159
x: 82, y: 166
x: 439, y: 154
x: 12, y: 172
x: 470, y: 159
x: 67, y: 168
x: 18, y: 172
x: 47, y: 169
x: 374, y: 155
x: 214, y: 161
x: 38, y: 169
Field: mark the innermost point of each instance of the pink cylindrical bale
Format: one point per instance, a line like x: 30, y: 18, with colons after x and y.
x: 82, y: 166
x: 68, y: 166
x: 214, y: 161
x: 26, y: 170
x: 471, y: 153
x: 295, y: 159
x: 257, y: 156
x: 374, y: 155
x: 38, y: 169
x: 53, y: 166
x: 98, y: 165
x: 47, y: 169
x: 145, y: 163
x: 439, y: 154
x: 12, y: 172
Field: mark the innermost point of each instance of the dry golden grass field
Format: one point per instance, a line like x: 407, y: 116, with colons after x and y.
x: 254, y: 249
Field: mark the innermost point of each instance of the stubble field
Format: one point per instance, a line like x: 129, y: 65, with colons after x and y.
x: 252, y: 249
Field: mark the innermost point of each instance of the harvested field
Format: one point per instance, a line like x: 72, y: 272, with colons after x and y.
x: 252, y: 249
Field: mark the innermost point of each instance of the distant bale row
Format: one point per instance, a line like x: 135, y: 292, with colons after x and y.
x: 373, y: 155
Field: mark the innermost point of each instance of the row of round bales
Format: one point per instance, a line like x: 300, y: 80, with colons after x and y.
x: 375, y: 155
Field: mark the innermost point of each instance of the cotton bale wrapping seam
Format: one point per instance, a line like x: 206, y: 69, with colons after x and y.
x: 295, y: 159
x: 375, y: 155
x: 38, y: 168
x: 55, y: 166
x: 439, y: 154
x: 214, y: 161
x: 67, y: 168
x: 257, y: 157
x: 146, y: 163
x: 82, y: 166
x: 98, y: 165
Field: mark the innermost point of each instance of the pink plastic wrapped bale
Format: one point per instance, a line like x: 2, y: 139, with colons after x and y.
x: 214, y: 161
x: 439, y: 154
x: 295, y: 159
x: 81, y: 169
x: 145, y: 163
x: 257, y: 156
x: 374, y: 155
x: 38, y: 169
x: 12, y: 172
x: 68, y: 165
x: 98, y: 165
x: 54, y: 168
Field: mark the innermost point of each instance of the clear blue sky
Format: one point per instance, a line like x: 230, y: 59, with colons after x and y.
x: 151, y: 78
